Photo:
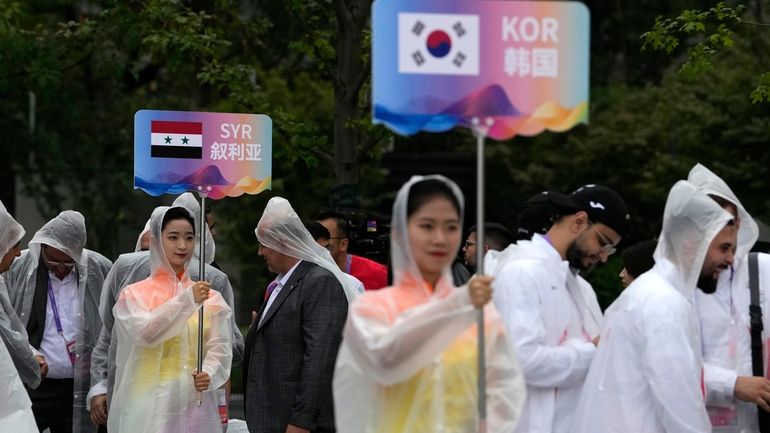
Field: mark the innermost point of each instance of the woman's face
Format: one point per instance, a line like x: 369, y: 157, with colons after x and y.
x: 434, y: 236
x: 178, y: 241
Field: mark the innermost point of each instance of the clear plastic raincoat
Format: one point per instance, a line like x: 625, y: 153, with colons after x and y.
x: 647, y: 374
x: 67, y: 233
x: 156, y: 324
x: 408, y: 358
x: 290, y: 237
x: 551, y: 315
x: 12, y: 330
x: 16, y: 409
x: 133, y: 267
x: 724, y: 319
x: 128, y: 269
x: 16, y: 340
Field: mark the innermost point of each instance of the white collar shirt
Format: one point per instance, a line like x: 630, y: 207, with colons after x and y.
x: 53, y: 346
x: 281, y: 280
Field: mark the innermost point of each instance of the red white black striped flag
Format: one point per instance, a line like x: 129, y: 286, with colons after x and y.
x: 176, y: 139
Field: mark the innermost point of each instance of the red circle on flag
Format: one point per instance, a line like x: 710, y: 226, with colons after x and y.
x: 439, y: 43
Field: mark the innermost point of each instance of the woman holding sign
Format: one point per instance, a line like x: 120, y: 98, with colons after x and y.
x: 408, y: 358
x: 156, y: 323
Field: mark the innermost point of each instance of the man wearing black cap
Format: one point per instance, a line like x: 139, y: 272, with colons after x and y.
x: 538, y: 212
x: 550, y: 312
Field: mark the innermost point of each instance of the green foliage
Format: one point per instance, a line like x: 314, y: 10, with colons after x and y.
x: 762, y: 92
x: 91, y: 65
x: 712, y: 29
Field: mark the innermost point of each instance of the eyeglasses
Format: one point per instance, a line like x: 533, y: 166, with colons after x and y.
x: 469, y: 244
x: 53, y: 264
x: 604, y: 242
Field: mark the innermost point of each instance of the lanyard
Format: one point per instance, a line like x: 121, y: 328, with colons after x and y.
x: 55, y: 310
x: 349, y: 262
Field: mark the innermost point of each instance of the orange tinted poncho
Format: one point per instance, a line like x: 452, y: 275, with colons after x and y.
x: 157, y: 328
x: 408, y: 358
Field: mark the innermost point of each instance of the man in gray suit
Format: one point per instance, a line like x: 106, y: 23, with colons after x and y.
x: 291, y: 347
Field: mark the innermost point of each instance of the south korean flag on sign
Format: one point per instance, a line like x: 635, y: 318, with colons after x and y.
x: 446, y: 44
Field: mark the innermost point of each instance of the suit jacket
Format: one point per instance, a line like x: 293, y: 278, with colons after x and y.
x: 290, y: 356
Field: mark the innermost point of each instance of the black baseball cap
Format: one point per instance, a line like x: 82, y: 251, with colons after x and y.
x: 539, y: 212
x: 603, y: 205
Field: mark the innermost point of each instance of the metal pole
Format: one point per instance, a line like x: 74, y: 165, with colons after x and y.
x: 201, y: 277
x: 481, y: 133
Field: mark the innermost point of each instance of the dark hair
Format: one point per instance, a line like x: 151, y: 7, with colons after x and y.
x: 317, y: 230
x: 343, y: 226
x: 177, y: 213
x: 425, y: 190
x: 726, y: 205
x: 637, y: 259
x: 496, y: 235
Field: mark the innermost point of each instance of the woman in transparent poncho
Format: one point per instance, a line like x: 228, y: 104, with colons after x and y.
x: 408, y: 359
x: 156, y: 324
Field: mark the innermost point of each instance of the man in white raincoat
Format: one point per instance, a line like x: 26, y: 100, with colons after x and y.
x: 54, y: 288
x: 551, y: 313
x: 731, y: 390
x: 133, y: 267
x: 16, y: 408
x: 647, y: 374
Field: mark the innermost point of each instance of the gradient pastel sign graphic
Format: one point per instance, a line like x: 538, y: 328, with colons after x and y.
x: 218, y: 154
x: 438, y: 64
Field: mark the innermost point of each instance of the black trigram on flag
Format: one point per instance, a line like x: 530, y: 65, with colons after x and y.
x: 459, y: 59
x: 459, y: 29
x: 419, y: 59
x: 418, y: 28
x: 438, y: 44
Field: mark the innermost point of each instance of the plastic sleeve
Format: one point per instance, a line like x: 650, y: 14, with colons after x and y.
x: 720, y: 385
x: 218, y: 346
x: 392, y: 351
x: 150, y: 328
x: 516, y: 298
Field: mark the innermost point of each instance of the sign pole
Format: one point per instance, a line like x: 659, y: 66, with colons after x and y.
x: 202, y: 277
x: 480, y: 130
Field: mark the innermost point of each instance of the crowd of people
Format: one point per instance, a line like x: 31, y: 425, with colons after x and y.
x: 342, y: 344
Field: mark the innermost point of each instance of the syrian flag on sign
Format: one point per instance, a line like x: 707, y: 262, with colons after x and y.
x: 446, y: 44
x: 176, y: 139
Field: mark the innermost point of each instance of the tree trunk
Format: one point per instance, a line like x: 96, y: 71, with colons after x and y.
x: 351, y: 73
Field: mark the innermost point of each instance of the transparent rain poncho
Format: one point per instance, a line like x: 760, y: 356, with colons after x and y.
x: 16, y: 410
x: 408, y: 358
x: 156, y: 324
x: 189, y: 202
x: 725, y: 322
x: 646, y: 375
x: 281, y: 229
x: 11, y: 231
x: 67, y: 233
x: 133, y: 267
x: 12, y: 330
x: 708, y: 182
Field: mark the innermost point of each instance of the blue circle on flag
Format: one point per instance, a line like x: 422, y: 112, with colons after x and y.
x: 439, y: 43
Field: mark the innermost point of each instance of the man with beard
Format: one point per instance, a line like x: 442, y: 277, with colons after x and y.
x: 551, y: 313
x: 647, y: 373
x: 732, y: 392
